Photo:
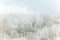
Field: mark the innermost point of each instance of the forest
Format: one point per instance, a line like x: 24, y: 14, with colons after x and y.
x: 29, y: 27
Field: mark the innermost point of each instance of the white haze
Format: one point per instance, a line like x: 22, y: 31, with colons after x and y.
x: 29, y: 27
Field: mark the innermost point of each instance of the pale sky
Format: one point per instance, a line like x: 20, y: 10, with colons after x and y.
x: 29, y: 6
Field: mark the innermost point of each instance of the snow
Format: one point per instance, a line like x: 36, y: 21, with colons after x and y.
x: 57, y: 38
x: 26, y: 21
x: 13, y: 38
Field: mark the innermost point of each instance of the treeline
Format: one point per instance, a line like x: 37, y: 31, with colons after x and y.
x: 27, y: 25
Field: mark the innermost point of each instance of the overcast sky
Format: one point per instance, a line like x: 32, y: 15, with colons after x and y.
x: 29, y: 6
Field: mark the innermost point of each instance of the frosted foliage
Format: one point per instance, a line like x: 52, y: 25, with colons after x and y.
x: 29, y: 27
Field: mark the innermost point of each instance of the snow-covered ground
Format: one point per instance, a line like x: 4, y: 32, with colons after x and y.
x: 14, y: 39
x: 57, y: 38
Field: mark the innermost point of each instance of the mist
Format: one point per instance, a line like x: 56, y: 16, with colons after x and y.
x: 29, y: 27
